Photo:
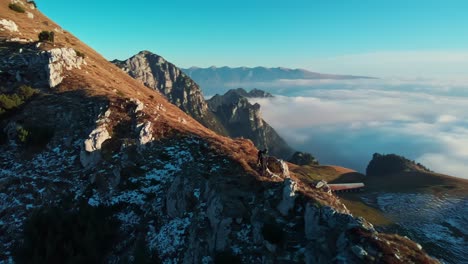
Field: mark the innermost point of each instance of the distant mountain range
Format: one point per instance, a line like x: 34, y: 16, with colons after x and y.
x: 226, y: 77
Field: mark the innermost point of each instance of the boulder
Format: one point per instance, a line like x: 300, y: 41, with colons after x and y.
x: 289, y: 196
x: 9, y: 25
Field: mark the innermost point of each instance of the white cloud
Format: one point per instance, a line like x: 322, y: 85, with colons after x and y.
x: 345, y: 123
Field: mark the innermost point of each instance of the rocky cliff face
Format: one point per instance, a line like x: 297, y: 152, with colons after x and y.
x: 242, y: 119
x: 230, y: 114
x: 155, y: 72
x: 101, y: 169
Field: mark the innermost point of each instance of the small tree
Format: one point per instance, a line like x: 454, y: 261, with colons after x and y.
x: 46, y: 36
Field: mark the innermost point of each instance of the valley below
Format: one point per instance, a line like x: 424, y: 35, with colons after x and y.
x: 438, y: 222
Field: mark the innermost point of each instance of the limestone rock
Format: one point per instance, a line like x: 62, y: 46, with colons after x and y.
x: 139, y: 106
x: 96, y: 138
x: 9, y: 25
x: 59, y: 60
x: 289, y: 196
x: 146, y: 133
x: 359, y: 251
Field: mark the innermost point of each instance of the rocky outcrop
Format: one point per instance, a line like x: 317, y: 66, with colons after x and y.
x: 8, y: 25
x: 158, y: 74
x: 289, y: 196
x: 90, y: 155
x: 38, y: 68
x: 243, y: 119
x: 59, y: 60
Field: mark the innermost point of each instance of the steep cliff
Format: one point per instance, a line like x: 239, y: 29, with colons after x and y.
x: 231, y: 114
x: 243, y: 119
x: 157, y: 73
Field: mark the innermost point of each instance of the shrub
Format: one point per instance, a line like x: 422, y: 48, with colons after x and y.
x: 26, y: 92
x: 10, y: 101
x: 58, y: 235
x: 46, y: 36
x: 16, y: 7
x: 22, y: 134
x: 80, y: 54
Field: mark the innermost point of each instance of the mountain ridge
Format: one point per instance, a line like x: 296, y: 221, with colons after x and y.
x: 230, y: 114
x: 178, y: 189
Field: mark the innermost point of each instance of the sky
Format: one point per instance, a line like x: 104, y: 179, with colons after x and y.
x: 366, y: 37
x: 345, y: 122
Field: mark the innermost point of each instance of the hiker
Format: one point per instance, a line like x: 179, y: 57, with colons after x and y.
x: 262, y: 160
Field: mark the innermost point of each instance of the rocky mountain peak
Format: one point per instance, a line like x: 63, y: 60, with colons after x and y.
x: 158, y: 74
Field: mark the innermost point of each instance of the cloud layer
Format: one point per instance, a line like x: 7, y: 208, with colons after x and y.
x: 345, y: 122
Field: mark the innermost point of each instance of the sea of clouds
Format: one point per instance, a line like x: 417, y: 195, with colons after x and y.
x: 345, y: 122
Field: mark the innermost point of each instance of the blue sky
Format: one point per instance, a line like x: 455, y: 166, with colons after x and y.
x: 340, y: 36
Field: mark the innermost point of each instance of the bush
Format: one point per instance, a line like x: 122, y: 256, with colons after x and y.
x: 23, y: 134
x: 10, y: 101
x: 58, y: 235
x: 26, y: 92
x: 16, y: 7
x: 80, y: 54
x: 46, y: 36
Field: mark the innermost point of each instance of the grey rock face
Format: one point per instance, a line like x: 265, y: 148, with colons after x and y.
x: 289, y: 196
x: 59, y: 60
x: 231, y: 114
x: 243, y: 119
x: 158, y: 74
x: 38, y: 68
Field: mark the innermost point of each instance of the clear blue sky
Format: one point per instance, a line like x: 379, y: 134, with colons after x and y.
x: 311, y: 34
